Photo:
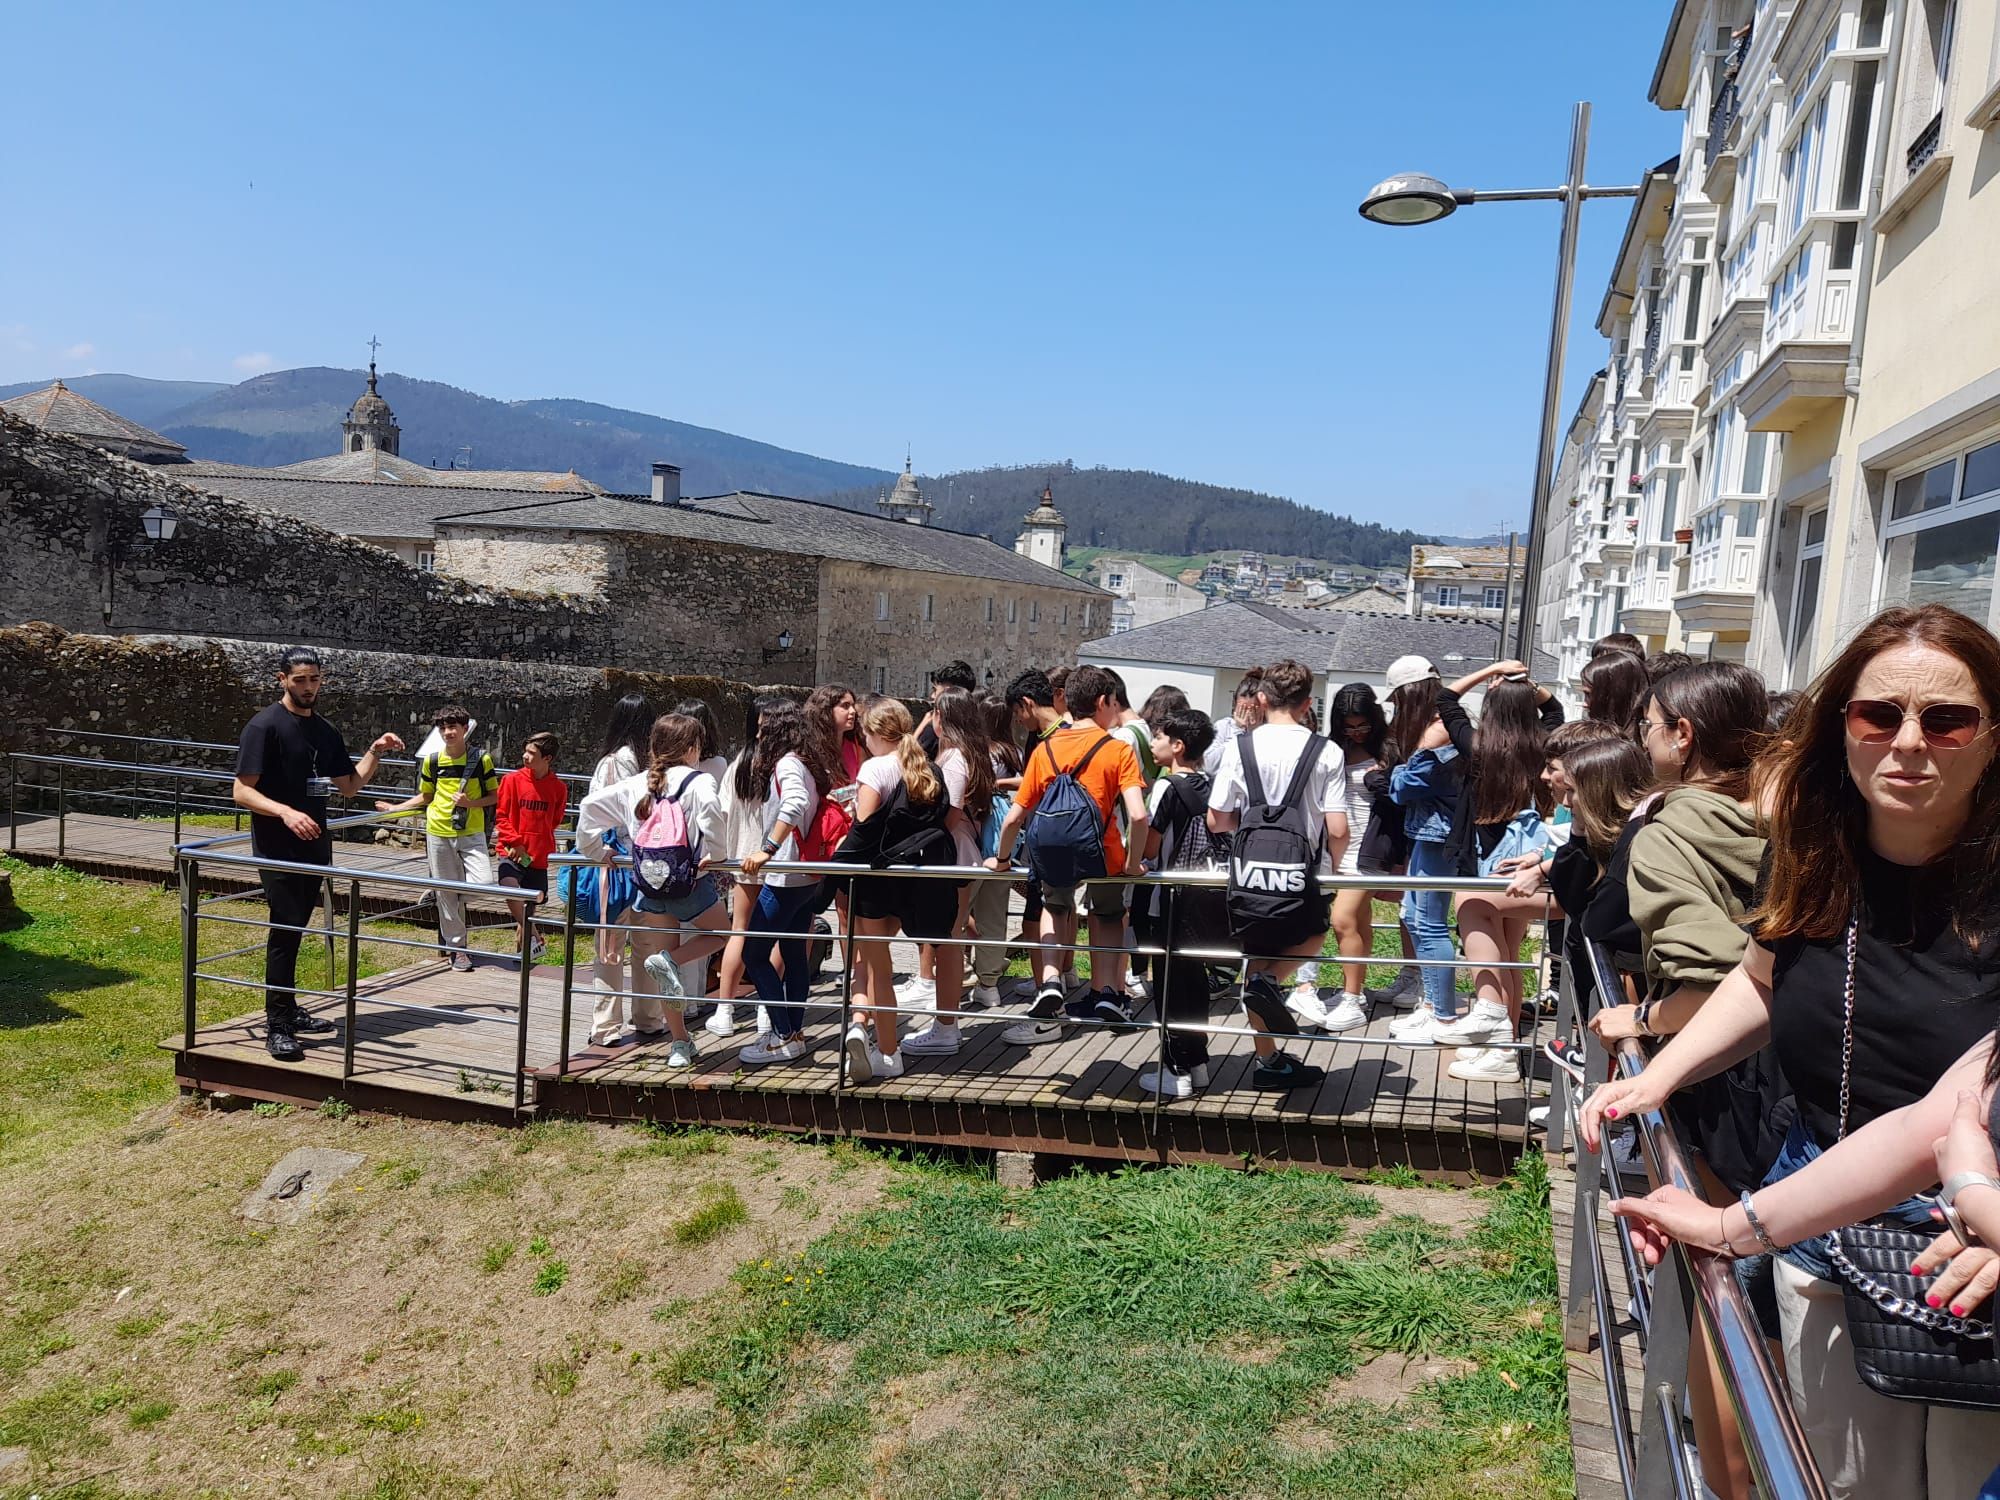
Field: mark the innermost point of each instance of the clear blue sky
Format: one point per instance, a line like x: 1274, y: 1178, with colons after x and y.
x: 1118, y: 233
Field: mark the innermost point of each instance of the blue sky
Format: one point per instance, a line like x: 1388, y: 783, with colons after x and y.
x: 1117, y: 233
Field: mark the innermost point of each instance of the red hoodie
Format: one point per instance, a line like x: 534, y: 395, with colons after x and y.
x: 530, y: 810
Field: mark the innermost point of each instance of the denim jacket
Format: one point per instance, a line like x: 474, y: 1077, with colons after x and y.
x: 1426, y: 787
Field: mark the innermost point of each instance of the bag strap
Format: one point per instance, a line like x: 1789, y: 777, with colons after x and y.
x: 1308, y: 761
x: 1253, y: 779
x: 1088, y: 755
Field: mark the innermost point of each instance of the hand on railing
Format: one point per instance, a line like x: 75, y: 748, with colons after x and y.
x: 1667, y: 1214
x: 1619, y: 1099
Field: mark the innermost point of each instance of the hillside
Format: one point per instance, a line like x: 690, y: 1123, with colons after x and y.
x: 134, y: 397
x: 1134, y: 509
x: 290, y: 415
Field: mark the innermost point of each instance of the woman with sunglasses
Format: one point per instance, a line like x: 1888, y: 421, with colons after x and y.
x: 1882, y: 884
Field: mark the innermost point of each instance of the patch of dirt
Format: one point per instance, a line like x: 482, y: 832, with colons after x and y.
x: 1240, y: 1350
x: 1388, y: 1378
x: 471, y: 1306
x: 1454, y: 1210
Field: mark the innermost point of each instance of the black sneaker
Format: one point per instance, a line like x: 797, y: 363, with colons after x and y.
x: 1111, y: 1007
x: 1048, y: 1003
x: 1567, y: 1057
x: 1281, y: 1071
x: 1083, y: 1007
x: 304, y: 1023
x: 280, y: 1043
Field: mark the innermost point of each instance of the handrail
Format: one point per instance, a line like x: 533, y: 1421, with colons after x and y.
x: 573, y: 778
x: 1690, y: 1285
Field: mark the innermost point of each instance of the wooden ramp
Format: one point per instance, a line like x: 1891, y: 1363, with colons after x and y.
x: 1378, y: 1106
x: 143, y: 849
x: 1594, y: 1447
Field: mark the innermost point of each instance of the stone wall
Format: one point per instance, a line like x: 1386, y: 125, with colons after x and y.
x: 64, y: 506
x: 56, y: 689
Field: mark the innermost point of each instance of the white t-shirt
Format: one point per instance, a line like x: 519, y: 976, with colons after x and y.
x: 957, y: 773
x: 1278, y: 748
x: 614, y: 768
x: 1359, y: 805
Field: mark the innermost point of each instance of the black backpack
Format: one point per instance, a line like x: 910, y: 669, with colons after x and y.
x: 1198, y: 915
x: 1274, y: 897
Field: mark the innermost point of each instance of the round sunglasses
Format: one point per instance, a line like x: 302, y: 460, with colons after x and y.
x: 1946, y: 726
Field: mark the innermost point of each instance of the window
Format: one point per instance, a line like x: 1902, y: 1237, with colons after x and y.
x: 1114, y: 580
x: 880, y: 677
x: 1493, y: 596
x: 930, y: 608
x: 427, y: 562
x: 1670, y: 503
x: 1854, y: 161
x: 1447, y: 596
x: 1065, y: 618
x: 1943, y: 533
x: 1034, y: 611
x: 1173, y: 589
x: 881, y: 606
x: 1013, y: 611
x: 1801, y: 173
x: 1756, y: 445
x: 989, y: 609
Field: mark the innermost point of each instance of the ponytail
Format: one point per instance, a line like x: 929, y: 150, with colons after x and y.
x: 888, y: 719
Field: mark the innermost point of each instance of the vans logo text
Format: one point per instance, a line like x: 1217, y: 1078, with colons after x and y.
x: 1256, y: 875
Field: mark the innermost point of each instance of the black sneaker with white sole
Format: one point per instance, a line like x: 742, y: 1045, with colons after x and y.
x: 1110, y: 1007
x: 1281, y: 1071
x: 1567, y: 1056
x: 305, y: 1023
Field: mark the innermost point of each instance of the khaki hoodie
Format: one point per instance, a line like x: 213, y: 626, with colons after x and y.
x: 1694, y: 867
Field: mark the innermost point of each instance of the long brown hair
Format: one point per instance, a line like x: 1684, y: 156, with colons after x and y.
x: 782, y: 729
x: 820, y: 704
x: 1608, y: 777
x: 1726, y: 708
x: 673, y: 736
x: 962, y: 727
x: 1414, y: 708
x: 1616, y: 682
x: 888, y: 719
x: 1508, y: 754
x: 1819, y: 824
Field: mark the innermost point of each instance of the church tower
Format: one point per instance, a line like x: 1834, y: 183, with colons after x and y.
x: 1044, y: 532
x: 906, y: 502
x: 370, y: 425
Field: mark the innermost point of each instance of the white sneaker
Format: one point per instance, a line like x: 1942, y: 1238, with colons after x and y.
x: 763, y: 1020
x: 1349, y: 1013
x: 1177, y: 1085
x: 1420, y: 1026
x: 1306, y: 1006
x: 1539, y: 1115
x: 886, y: 1064
x: 1488, y: 1065
x: 1137, y: 990
x: 681, y: 1054
x: 721, y: 1021
x: 917, y: 994
x: 1485, y: 1023
x: 1035, y: 1032
x: 861, y: 1055
x: 667, y: 974
x: 939, y: 1039
x: 771, y: 1048
x: 983, y: 997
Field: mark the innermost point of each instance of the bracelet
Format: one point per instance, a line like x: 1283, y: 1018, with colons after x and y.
x: 770, y: 846
x: 1757, y: 1224
x: 1644, y: 1019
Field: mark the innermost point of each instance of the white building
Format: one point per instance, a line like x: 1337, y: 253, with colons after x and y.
x: 1044, y: 533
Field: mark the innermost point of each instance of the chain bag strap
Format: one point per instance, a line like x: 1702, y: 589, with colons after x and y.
x: 1903, y: 1347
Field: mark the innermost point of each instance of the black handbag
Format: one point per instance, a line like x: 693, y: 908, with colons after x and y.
x: 1903, y: 1347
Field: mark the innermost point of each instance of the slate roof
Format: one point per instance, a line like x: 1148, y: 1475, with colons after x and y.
x: 775, y: 523
x: 57, y: 408
x: 376, y: 511
x: 1235, y: 634
x: 373, y: 466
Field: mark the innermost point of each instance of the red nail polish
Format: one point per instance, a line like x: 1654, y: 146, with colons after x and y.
x: 1932, y: 1299
x: 1957, y: 1311
x: 1612, y: 1113
x: 1916, y: 1268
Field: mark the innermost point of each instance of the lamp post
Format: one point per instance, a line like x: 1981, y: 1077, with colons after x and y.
x: 160, y: 523
x: 784, y: 645
x: 1414, y: 198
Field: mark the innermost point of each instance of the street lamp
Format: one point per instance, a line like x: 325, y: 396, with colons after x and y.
x: 784, y: 645
x: 1414, y: 198
x: 160, y: 523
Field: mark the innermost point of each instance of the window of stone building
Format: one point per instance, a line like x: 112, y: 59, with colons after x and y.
x: 1065, y: 618
x: 1447, y: 596
x: 1493, y: 597
x: 1034, y: 611
x: 930, y: 608
x: 1114, y: 580
x: 879, y: 678
x: 1013, y: 611
x: 427, y: 562
x: 881, y: 607
x: 989, y: 609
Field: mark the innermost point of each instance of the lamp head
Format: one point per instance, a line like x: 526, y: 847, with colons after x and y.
x: 784, y: 640
x: 160, y: 523
x: 1408, y: 198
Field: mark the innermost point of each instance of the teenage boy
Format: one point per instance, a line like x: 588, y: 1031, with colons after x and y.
x: 532, y: 802
x: 289, y: 761
x: 1277, y: 745
x: 1139, y: 734
x: 1108, y: 772
x: 1248, y: 714
x: 1184, y: 917
x: 455, y: 787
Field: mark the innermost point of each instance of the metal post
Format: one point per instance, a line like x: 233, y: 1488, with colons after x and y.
x: 62, y: 810
x: 13, y: 818
x: 569, y: 969
x: 1661, y: 1451
x: 1558, y: 1138
x: 846, y: 1011
x: 190, y: 935
x: 177, y: 814
x: 353, y: 977
x: 1160, y: 984
x: 1506, y: 597
x: 326, y: 906
x: 1545, y: 451
x: 521, y: 1030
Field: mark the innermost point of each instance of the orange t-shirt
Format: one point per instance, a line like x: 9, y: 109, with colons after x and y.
x: 1114, y: 768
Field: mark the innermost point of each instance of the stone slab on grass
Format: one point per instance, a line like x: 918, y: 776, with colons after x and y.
x: 298, y: 1184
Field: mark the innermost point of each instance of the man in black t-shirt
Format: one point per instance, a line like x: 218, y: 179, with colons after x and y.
x: 289, y: 762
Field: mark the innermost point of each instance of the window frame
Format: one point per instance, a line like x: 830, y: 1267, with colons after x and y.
x: 881, y: 606
x: 1444, y: 589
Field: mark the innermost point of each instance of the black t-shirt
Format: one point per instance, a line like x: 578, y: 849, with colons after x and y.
x: 283, y: 750
x: 928, y: 738
x: 1922, y: 998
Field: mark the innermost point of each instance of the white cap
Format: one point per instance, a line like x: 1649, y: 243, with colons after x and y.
x: 1405, y: 670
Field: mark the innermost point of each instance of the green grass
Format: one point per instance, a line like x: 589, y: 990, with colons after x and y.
x: 1138, y: 1332
x: 722, y: 1210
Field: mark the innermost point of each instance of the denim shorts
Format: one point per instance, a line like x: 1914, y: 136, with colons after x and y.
x: 680, y: 908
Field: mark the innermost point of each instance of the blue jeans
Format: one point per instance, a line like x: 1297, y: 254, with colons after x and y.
x: 1428, y: 916
x: 783, y: 915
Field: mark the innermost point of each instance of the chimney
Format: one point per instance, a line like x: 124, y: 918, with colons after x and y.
x: 666, y: 484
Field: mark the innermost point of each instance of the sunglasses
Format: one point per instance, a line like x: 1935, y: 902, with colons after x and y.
x: 1946, y: 726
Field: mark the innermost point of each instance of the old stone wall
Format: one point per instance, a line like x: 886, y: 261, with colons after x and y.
x: 70, y: 516
x: 889, y: 644
x: 59, y: 691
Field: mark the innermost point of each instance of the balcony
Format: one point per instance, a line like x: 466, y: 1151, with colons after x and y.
x: 1795, y: 384
x: 1925, y: 146
x: 1617, y: 545
x: 1715, y: 610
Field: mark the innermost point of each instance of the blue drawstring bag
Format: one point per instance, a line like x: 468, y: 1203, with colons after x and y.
x: 580, y: 885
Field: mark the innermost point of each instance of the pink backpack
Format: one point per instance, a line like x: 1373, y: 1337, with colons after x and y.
x: 663, y: 855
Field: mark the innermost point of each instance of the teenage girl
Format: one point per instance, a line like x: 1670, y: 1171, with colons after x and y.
x: 1361, y: 731
x: 742, y: 833
x: 790, y: 765
x: 965, y: 760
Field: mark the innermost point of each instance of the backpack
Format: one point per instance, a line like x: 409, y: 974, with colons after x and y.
x: 1200, y: 916
x: 821, y: 837
x: 1273, y: 894
x: 478, y: 769
x: 1526, y: 833
x: 1065, y: 833
x: 663, y: 856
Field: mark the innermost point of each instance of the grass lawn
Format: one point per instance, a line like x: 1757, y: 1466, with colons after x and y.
x: 572, y: 1309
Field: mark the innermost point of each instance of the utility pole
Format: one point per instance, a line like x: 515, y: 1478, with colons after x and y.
x: 1507, y: 603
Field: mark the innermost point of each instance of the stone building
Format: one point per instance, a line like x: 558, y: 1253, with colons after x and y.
x: 1044, y: 533
x: 1142, y: 595
x: 57, y: 408
x: 1465, y: 583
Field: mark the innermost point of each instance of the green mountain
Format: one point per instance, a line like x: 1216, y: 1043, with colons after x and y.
x: 1145, y: 512
x: 133, y: 397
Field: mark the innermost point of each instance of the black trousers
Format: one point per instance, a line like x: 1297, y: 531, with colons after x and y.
x: 294, y: 902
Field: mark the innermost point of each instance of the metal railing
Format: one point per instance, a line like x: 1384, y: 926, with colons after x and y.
x: 1655, y: 1461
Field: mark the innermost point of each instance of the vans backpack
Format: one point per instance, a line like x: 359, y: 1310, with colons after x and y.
x: 663, y: 855
x: 1273, y: 893
x: 1065, y: 833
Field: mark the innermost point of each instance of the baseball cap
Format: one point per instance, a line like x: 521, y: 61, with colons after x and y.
x: 1405, y: 670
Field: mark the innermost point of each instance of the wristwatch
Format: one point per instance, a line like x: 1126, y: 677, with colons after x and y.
x: 1947, y: 1198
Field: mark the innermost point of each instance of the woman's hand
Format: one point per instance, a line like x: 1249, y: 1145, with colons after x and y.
x: 1614, y: 1023
x: 1667, y: 1214
x: 1966, y: 1146
x: 1528, y: 875
x: 1969, y: 1275
x: 755, y: 861
x: 1619, y: 1099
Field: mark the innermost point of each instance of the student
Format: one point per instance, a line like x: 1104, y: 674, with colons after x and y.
x: 1059, y: 686
x: 902, y: 815
x: 965, y: 762
x: 790, y: 766
x: 1358, y: 721
x: 661, y: 939
x: 742, y: 833
x: 1248, y: 713
x: 532, y: 802
x: 1423, y: 781
x: 712, y: 759
x: 1179, y: 808
x: 1278, y: 747
x: 1613, y: 683
x: 953, y: 675
x: 989, y: 897
x: 626, y: 733
x: 1138, y: 732
x: 289, y: 762
x: 832, y: 711
x: 455, y: 787
x: 1107, y: 771
x: 1618, y: 640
